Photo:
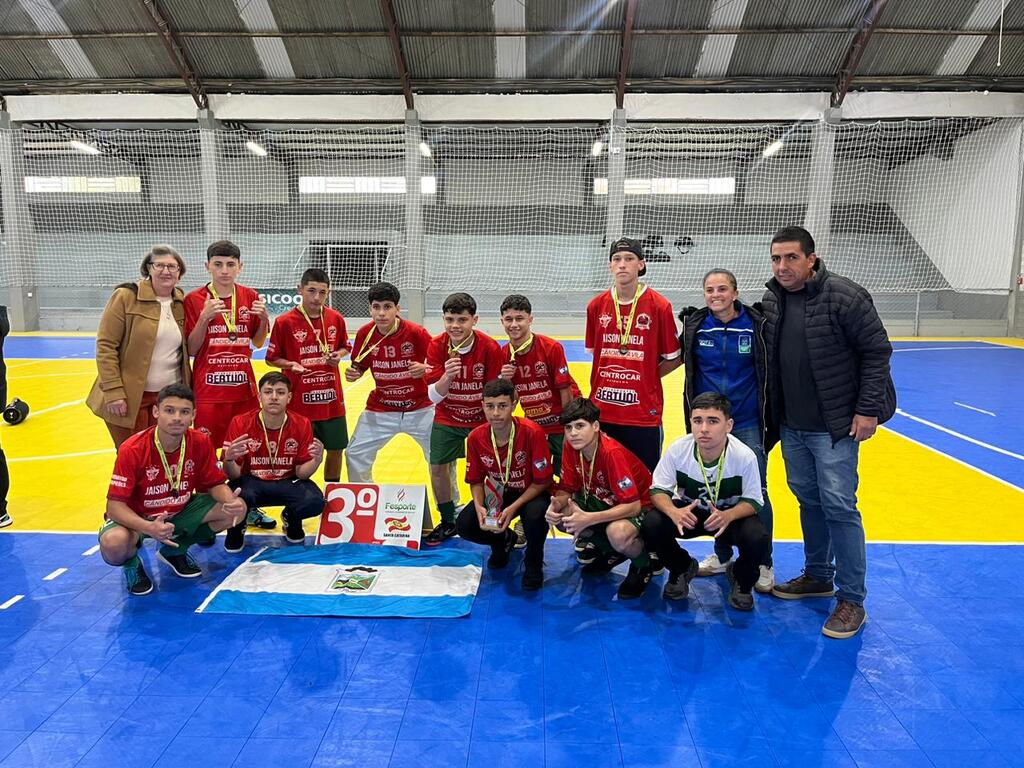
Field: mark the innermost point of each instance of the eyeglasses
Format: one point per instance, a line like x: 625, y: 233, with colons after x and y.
x: 163, y: 267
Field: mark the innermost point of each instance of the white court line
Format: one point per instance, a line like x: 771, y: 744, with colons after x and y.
x: 56, y: 407
x: 949, y: 431
x: 936, y: 349
x: 9, y: 603
x: 50, y: 375
x: 61, y: 456
x: 972, y: 408
x: 55, y: 574
x: 961, y: 462
x: 91, y: 550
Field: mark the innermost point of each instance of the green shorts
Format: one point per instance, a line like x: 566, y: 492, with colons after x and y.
x: 598, y: 534
x: 333, y: 433
x: 447, y: 443
x: 187, y: 523
x: 555, y: 443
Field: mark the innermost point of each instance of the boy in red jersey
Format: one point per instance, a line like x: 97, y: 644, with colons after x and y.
x: 307, y: 343
x: 223, y: 322
x: 166, y: 485
x: 631, y: 331
x: 602, y: 495
x: 513, y: 453
x: 393, y: 350
x: 270, y: 454
x: 459, y: 362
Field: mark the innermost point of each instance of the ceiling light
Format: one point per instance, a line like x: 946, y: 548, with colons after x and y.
x: 256, y: 149
x: 772, y: 148
x: 83, y: 146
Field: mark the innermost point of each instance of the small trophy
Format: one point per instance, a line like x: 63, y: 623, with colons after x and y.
x: 493, y: 501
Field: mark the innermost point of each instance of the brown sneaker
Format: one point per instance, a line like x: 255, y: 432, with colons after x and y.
x: 845, y: 621
x: 803, y: 586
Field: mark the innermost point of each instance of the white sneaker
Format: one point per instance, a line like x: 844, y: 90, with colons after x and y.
x: 766, y: 580
x: 711, y: 565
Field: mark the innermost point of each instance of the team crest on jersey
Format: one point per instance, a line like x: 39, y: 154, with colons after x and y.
x: 190, y: 466
x: 332, y: 333
x: 520, y: 457
x: 152, y: 472
x: 625, y: 484
x: 541, y: 368
x: 206, y: 431
x: 300, y: 335
x: 605, y: 320
x: 478, y: 371
x: 600, y: 478
x: 407, y: 349
x: 643, y: 322
x: 243, y: 313
x: 291, y: 445
x: 487, y: 461
x: 253, y: 444
x: 541, y: 464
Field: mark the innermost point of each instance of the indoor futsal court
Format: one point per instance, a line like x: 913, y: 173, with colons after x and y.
x: 504, y: 148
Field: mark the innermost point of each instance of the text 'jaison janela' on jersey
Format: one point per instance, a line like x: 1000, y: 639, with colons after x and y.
x: 316, y: 394
x: 541, y: 371
x: 531, y: 459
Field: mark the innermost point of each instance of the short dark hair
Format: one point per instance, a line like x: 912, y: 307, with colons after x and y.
x: 499, y: 388
x: 579, y: 408
x: 314, y: 275
x: 274, y: 377
x: 458, y: 303
x: 728, y: 275
x: 161, y: 250
x: 224, y: 248
x: 175, y: 390
x: 795, y: 235
x: 712, y: 401
x: 383, y: 292
x: 517, y: 302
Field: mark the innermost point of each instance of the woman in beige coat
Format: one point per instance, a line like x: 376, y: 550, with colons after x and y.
x: 140, y: 345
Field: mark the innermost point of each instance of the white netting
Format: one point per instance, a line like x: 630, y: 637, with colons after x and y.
x: 900, y: 206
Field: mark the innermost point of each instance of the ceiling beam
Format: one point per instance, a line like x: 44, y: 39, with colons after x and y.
x: 388, y: 12
x: 856, y: 50
x: 177, y: 53
x: 627, y: 45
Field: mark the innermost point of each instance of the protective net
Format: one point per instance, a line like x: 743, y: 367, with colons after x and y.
x: 902, y: 207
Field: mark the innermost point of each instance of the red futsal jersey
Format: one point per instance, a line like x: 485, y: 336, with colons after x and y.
x: 617, y: 477
x: 316, y: 394
x: 531, y: 459
x: 139, y: 479
x: 624, y: 383
x: 289, y: 445
x: 222, y: 369
x: 388, y: 359
x: 481, y: 362
x: 541, y: 371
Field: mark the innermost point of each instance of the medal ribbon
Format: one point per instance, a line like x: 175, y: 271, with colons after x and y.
x: 175, y: 486
x: 588, y: 477
x: 718, y: 471
x: 526, y: 345
x: 624, y: 332
x: 364, y: 352
x: 321, y: 340
x: 230, y: 318
x: 266, y: 437
x: 508, y: 459
x: 454, y: 348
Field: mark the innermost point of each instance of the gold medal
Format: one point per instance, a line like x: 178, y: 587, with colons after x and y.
x: 230, y: 318
x: 508, y: 458
x: 625, y: 329
x: 173, y: 482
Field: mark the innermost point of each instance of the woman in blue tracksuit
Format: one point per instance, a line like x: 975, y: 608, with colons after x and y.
x: 724, y: 351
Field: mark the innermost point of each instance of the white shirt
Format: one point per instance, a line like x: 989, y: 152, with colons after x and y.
x: 165, y: 364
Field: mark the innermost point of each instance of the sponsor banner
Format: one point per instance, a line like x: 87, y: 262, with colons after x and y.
x: 365, y: 513
x: 278, y: 302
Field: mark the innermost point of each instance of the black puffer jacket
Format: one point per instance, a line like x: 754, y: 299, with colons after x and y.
x: 692, y: 318
x: 847, y: 347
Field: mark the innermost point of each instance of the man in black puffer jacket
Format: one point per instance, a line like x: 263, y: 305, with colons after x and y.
x: 828, y: 355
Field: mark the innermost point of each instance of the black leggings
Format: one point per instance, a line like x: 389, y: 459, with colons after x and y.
x: 748, y: 535
x: 534, y: 525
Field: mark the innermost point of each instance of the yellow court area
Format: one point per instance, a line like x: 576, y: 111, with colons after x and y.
x: 60, y: 460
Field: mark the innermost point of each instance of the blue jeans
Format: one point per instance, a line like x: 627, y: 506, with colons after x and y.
x: 751, y: 437
x: 823, y: 477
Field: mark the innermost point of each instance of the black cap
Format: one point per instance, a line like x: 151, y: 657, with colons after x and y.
x: 632, y: 246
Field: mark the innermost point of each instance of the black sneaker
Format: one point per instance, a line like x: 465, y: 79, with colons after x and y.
x: 635, y: 582
x: 740, y: 599
x: 656, y: 567
x: 442, y: 532
x: 183, y: 565
x: 294, y: 533
x: 234, y: 539
x: 677, y: 587
x: 533, y: 577
x: 586, y: 551
x: 803, y: 586
x: 499, y: 555
x: 137, y: 579
x: 603, y: 563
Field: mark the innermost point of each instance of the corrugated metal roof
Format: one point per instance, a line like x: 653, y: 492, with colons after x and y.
x: 102, y: 16
x: 663, y: 56
x: 693, y: 14
x: 341, y: 57
x: 573, y: 57
x: 575, y: 14
x: 136, y: 57
x: 770, y: 14
x: 903, y: 54
x: 226, y: 57
x: 1012, y: 59
x: 198, y: 15
x: 446, y: 14
x: 461, y: 57
x: 14, y: 20
x: 788, y: 55
x: 302, y: 15
x: 932, y: 15
x: 29, y: 60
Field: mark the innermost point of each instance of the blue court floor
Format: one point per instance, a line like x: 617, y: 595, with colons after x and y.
x: 565, y: 677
